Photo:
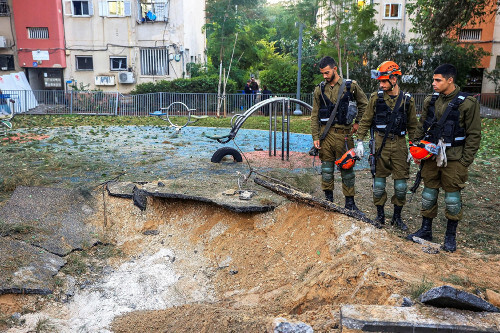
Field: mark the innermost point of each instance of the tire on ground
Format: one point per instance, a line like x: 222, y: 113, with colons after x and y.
x: 225, y: 151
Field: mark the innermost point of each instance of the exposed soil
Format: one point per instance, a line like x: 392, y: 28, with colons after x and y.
x: 238, y: 272
x: 297, y: 262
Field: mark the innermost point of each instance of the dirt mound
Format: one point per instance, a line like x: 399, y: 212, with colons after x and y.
x: 297, y: 262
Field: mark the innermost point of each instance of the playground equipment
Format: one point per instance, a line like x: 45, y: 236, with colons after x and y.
x: 166, y: 113
x: 5, y: 118
x: 285, y: 102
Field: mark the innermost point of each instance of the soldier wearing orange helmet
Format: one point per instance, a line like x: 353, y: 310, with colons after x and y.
x: 451, y: 122
x: 390, y: 115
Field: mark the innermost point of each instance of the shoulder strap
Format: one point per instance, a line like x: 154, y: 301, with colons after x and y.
x: 334, y: 112
x: 348, y: 83
x: 323, y: 95
x: 454, y: 104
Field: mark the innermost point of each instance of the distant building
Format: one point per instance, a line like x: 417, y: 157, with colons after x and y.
x: 392, y: 14
x: 101, y: 44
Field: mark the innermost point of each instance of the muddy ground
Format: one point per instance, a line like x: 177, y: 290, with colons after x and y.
x: 232, y: 271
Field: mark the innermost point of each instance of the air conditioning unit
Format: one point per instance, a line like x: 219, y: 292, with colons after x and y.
x: 126, y: 77
x: 3, y: 42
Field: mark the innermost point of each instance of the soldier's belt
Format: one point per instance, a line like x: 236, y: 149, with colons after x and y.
x: 390, y: 136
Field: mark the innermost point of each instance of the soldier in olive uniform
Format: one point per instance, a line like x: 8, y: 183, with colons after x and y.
x: 386, y: 121
x: 339, y: 135
x: 458, y: 136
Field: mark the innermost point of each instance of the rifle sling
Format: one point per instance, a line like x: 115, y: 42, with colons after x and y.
x: 334, y: 112
x: 391, y: 123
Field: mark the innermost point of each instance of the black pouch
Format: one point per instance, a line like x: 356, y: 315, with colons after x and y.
x: 352, y: 112
x: 323, y: 115
x: 448, y: 129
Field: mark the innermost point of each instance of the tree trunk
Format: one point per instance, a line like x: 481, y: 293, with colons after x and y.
x: 293, y: 194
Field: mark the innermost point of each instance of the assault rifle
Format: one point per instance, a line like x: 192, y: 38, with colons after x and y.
x: 372, y: 159
x: 418, y: 179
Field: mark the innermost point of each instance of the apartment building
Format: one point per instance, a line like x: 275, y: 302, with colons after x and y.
x: 392, y: 14
x: 109, y: 45
x: 8, y: 58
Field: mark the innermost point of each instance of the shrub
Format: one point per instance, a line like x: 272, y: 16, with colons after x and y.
x: 199, y: 84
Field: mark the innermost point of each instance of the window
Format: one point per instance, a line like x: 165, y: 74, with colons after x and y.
x: 118, y: 63
x: 6, y: 62
x: 114, y: 8
x: 153, y: 10
x: 497, y: 66
x: 392, y: 11
x: 38, y: 33
x: 470, y: 34
x: 154, y: 61
x: 81, y: 8
x: 4, y: 8
x: 84, y: 63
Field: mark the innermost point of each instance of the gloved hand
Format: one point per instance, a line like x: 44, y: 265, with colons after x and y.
x: 359, y: 150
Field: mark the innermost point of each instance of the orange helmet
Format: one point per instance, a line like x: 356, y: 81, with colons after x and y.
x: 423, y: 150
x: 386, y: 70
x: 347, y: 160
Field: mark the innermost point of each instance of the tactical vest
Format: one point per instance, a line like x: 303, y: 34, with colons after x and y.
x: 383, y: 114
x: 449, y: 129
x: 326, y: 106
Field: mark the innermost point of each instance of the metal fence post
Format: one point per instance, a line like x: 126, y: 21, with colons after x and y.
x: 116, y: 104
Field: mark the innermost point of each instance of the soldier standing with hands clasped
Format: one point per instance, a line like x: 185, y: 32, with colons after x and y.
x: 331, y: 125
x: 390, y: 115
x: 450, y: 133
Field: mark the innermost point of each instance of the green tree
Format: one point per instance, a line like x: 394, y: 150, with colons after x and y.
x: 437, y: 19
x: 417, y: 61
x: 349, y: 25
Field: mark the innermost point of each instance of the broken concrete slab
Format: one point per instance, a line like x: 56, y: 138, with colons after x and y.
x: 449, y: 297
x: 56, y: 217
x: 166, y: 189
x: 26, y: 269
x: 381, y: 318
x: 282, y: 325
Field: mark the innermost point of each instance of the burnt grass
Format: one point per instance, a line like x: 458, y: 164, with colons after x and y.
x: 60, y: 161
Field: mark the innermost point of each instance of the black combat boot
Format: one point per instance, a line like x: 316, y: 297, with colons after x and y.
x: 328, y: 195
x: 450, y: 243
x: 425, y: 231
x: 396, y: 218
x: 349, y: 204
x: 380, y: 214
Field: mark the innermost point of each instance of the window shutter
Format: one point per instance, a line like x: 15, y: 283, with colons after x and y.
x: 103, y: 8
x: 127, y: 8
x: 68, y: 7
x: 91, y: 8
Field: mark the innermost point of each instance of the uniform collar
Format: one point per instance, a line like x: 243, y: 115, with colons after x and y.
x: 452, y: 94
x: 339, y: 82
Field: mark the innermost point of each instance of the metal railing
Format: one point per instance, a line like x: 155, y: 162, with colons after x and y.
x: 114, y: 103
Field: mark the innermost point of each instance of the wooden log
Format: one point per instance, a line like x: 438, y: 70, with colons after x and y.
x: 296, y: 195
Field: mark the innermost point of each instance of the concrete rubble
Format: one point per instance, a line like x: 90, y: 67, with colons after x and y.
x: 380, y: 318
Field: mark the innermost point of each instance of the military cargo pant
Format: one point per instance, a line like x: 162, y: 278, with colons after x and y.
x: 452, y: 179
x: 332, y: 148
x: 392, y: 161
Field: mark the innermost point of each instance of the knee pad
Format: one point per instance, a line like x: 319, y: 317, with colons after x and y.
x: 327, y: 169
x: 348, y: 177
x: 453, y: 202
x: 429, y: 198
x: 378, y: 187
x: 400, y: 188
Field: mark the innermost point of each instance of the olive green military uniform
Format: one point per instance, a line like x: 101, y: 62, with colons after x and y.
x: 394, y: 156
x: 333, y: 146
x: 451, y: 178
